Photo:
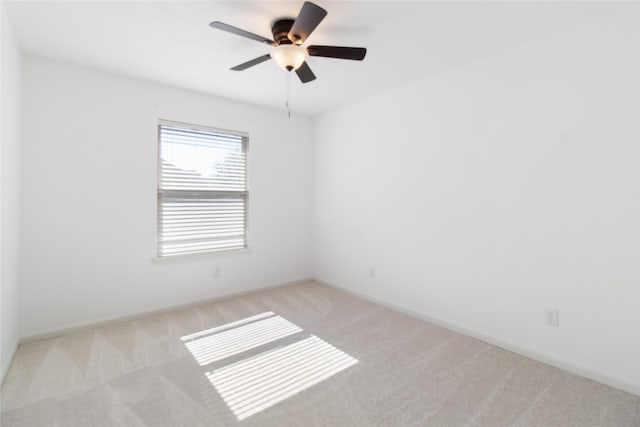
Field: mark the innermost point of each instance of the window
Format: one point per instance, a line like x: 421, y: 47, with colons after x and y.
x: 202, y: 190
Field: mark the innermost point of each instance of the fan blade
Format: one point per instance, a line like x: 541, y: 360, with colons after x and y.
x: 305, y: 74
x: 237, y: 31
x: 341, y: 52
x: 255, y: 61
x: 308, y: 19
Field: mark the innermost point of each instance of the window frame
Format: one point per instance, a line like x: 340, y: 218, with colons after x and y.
x: 223, y: 193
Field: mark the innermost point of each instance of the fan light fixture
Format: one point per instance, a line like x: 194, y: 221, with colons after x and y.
x: 288, y: 37
x: 289, y: 56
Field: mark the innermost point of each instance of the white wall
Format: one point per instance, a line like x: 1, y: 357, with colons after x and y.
x: 489, y: 192
x: 9, y: 191
x: 89, y: 198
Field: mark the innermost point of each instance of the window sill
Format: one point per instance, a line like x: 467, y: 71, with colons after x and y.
x: 200, y: 255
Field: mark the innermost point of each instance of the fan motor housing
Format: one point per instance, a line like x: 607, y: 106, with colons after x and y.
x: 280, y: 31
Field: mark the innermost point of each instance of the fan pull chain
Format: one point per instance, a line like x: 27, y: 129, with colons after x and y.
x: 288, y: 102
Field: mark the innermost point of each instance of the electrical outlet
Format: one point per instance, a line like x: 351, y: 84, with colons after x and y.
x: 372, y: 272
x: 552, y: 317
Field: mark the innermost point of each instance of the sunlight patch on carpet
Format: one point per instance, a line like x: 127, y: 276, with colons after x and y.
x: 257, y: 383
x: 228, y: 340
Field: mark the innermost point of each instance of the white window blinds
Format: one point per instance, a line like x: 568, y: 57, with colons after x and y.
x: 202, y: 190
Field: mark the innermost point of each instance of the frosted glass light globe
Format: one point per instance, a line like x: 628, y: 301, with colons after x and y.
x: 289, y: 56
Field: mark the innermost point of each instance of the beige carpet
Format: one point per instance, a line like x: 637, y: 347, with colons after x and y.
x: 296, y: 356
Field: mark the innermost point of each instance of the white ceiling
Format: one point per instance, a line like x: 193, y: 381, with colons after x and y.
x: 170, y: 41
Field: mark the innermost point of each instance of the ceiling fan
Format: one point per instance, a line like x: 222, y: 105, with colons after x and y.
x: 288, y: 37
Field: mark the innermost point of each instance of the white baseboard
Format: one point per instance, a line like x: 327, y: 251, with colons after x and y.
x: 91, y: 325
x: 560, y: 364
x: 6, y: 362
